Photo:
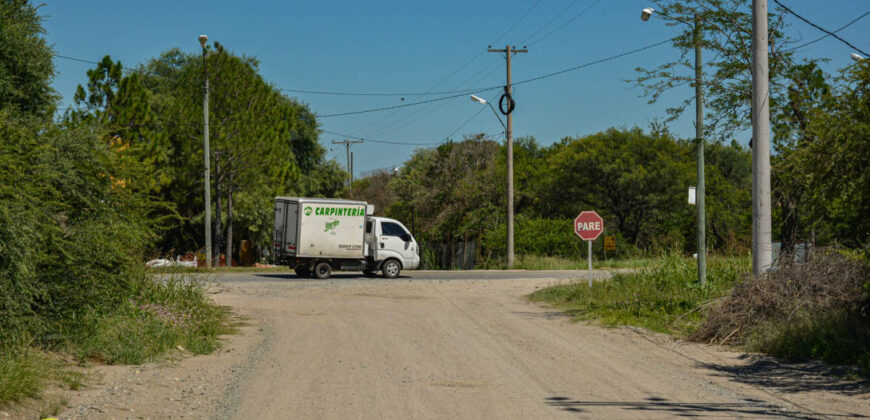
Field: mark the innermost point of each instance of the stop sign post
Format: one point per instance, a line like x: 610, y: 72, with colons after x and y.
x: 588, y: 225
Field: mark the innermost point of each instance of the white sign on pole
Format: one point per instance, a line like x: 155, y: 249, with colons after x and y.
x: 691, y: 195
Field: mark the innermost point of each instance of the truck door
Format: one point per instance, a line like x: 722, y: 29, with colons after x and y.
x: 395, y: 238
x: 280, y: 223
x: 291, y: 228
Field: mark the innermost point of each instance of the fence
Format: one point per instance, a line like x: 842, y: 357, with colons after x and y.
x: 449, y: 256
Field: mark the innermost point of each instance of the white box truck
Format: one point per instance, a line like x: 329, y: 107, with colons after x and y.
x: 316, y: 236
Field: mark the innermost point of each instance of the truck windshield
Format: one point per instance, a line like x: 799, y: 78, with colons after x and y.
x: 392, y: 229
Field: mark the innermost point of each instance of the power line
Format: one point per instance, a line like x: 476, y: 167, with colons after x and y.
x: 582, y: 12
x: 819, y: 27
x: 401, y: 143
x: 826, y: 35
x: 364, y: 111
x: 545, y: 76
x: 550, y: 22
x: 592, y: 63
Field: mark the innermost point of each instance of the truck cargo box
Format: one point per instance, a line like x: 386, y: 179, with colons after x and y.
x: 319, y: 227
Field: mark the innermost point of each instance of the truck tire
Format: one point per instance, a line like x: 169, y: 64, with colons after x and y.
x: 303, y: 270
x: 322, y: 270
x: 391, y: 268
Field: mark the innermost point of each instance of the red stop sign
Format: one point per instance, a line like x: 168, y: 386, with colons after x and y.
x: 588, y: 225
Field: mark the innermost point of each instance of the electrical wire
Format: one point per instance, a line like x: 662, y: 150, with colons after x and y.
x: 550, y: 22
x: 582, y: 12
x: 819, y: 27
x: 545, y: 76
x: 400, y: 143
x: 482, y: 108
x: 827, y: 35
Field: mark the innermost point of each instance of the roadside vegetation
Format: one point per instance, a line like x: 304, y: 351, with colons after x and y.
x: 663, y: 297
x: 78, y: 214
x: 811, y: 310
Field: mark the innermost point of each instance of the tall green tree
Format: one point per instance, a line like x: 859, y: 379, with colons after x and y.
x: 635, y: 181
x: 26, y: 67
x: 726, y: 27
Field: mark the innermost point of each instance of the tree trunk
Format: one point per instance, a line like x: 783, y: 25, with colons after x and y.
x: 230, y: 223
x: 217, y: 193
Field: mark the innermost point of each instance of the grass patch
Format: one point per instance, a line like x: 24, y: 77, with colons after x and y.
x: 23, y: 374
x: 665, y: 297
x: 165, y: 315
x: 535, y: 262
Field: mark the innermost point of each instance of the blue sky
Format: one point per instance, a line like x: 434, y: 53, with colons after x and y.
x: 411, y: 47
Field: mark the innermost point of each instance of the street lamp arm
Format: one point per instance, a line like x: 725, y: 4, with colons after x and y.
x: 496, y: 115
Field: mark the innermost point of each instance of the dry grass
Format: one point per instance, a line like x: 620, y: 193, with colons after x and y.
x: 798, y: 311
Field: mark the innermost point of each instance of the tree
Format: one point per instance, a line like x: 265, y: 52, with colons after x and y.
x: 26, y: 67
x: 636, y: 182
x: 808, y: 95
x: 726, y: 26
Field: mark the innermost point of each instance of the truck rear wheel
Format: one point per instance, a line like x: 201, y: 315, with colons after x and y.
x: 303, y: 270
x: 391, y: 268
x: 322, y: 270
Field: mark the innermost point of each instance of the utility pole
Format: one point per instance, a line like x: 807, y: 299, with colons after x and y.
x: 202, y: 40
x: 508, y: 52
x: 699, y: 139
x: 347, y: 144
x: 762, y: 257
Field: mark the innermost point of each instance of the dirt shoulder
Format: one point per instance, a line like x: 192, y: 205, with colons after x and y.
x: 360, y: 348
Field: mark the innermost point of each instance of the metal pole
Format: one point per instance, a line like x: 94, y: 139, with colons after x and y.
x: 699, y: 136
x: 207, y: 166
x: 589, y: 256
x: 510, y: 170
x: 761, y: 226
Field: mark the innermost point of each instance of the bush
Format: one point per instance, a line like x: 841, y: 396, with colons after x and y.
x: 161, y: 317
x: 798, y: 311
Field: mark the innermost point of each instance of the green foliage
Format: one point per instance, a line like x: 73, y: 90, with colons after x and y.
x: 23, y: 373
x: 26, y: 66
x: 636, y: 182
x: 160, y: 317
x: 450, y: 191
x: 726, y: 33
x: 664, y: 298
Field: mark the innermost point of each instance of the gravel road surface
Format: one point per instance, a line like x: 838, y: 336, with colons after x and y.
x: 457, y: 345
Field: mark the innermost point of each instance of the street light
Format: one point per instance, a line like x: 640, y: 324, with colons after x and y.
x: 484, y: 101
x: 202, y: 41
x: 510, y: 179
x: 699, y: 138
x: 856, y: 57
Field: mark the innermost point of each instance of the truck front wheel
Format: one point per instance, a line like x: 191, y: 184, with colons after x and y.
x: 322, y: 270
x: 391, y: 268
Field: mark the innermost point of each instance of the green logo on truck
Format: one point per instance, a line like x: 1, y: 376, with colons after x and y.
x: 308, y: 211
x: 336, y: 211
x: 330, y: 225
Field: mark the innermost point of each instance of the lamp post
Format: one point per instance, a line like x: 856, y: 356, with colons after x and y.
x: 202, y: 41
x: 510, y: 181
x: 699, y: 140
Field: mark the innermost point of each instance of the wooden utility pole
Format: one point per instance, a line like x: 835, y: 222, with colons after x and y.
x: 508, y: 52
x: 347, y: 144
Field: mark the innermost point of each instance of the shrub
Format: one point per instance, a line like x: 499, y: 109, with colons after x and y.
x: 798, y: 311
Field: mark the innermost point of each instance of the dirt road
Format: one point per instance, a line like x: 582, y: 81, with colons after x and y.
x: 461, y: 349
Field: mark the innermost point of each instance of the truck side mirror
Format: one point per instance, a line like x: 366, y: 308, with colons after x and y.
x: 405, y: 237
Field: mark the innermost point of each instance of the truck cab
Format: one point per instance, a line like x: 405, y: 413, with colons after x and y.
x: 388, y: 238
